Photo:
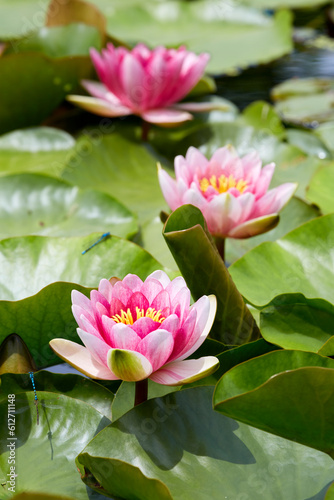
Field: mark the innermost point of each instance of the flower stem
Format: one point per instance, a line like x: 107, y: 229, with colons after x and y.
x: 220, y: 244
x: 141, y: 391
x: 145, y: 128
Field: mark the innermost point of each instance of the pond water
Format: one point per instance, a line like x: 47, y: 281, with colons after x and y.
x: 255, y: 83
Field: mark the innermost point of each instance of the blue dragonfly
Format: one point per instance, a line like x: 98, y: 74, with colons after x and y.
x: 103, y: 237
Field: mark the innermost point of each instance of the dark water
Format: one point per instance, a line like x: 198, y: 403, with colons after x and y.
x: 255, y: 83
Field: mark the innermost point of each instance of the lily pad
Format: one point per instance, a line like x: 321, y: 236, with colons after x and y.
x: 296, y: 213
x: 274, y: 392
x: 320, y: 190
x: 32, y: 15
x: 235, y: 35
x: 36, y: 204
x: 72, y: 386
x: 44, y: 453
x: 205, y: 273
x: 125, y: 168
x: 178, y: 448
x: 300, y: 262
x: 305, y: 102
x: 294, y: 322
x: 33, y: 85
x: 58, y: 41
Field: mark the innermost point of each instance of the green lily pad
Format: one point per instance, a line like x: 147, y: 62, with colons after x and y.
x: 235, y: 36
x: 306, y: 102
x: 36, y: 204
x: 295, y: 322
x: 205, y: 273
x: 282, y: 4
x: 30, y: 263
x: 33, y: 85
x: 176, y: 447
x: 70, y: 385
x: 32, y: 15
x: 58, y: 41
x: 296, y: 213
x: 300, y: 262
x: 127, y: 169
x: 274, y: 392
x: 309, y: 143
x: 44, y: 453
x: 295, y: 87
x: 320, y: 190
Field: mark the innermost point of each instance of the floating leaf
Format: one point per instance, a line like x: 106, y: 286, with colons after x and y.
x: 176, y: 447
x: 295, y: 322
x: 44, y: 453
x: 36, y: 204
x: 300, y: 262
x: 274, y: 392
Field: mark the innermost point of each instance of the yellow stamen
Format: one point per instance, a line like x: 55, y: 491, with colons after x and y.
x: 127, y: 318
x: 224, y: 184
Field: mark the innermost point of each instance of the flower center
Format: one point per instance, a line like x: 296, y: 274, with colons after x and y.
x: 222, y: 184
x: 127, y: 318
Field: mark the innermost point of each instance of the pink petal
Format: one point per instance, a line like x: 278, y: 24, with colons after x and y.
x: 129, y: 365
x: 175, y: 286
x: 185, y: 372
x: 137, y: 300
x: 122, y: 292
x: 180, y: 304
x: 80, y: 358
x: 106, y: 289
x: 196, y: 160
x: 162, y: 303
x: 121, y: 336
x: 79, y: 313
x: 132, y: 75
x: 183, y: 337
x: 82, y: 301
x: 160, y: 276
x: 99, y: 90
x: 116, y: 306
x: 133, y: 282
x: 97, y: 347
x: 144, y: 326
x: 157, y: 346
x: 151, y: 288
x: 253, y: 227
x: 206, y: 308
x: 99, y: 106
x: 165, y: 116
x: 264, y: 180
x: 169, y: 189
x: 274, y: 200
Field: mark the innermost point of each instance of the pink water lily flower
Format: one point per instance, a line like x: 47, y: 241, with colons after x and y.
x: 231, y: 192
x: 133, y: 330
x: 144, y: 82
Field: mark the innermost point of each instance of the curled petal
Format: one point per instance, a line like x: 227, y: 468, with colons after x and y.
x: 254, y: 227
x: 166, y: 116
x: 98, y: 106
x: 206, y: 308
x: 80, y: 358
x: 129, y: 365
x: 185, y: 372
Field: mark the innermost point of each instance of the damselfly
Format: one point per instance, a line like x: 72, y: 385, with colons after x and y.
x: 103, y: 237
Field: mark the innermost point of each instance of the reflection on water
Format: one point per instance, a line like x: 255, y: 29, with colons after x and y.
x: 255, y: 83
